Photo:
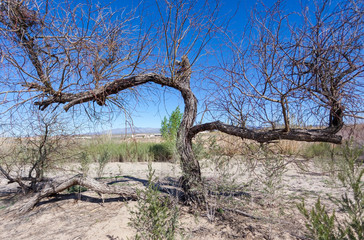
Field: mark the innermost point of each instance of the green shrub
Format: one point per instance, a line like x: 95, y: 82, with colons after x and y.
x: 323, y: 226
x: 85, y: 163
x: 319, y: 223
x: 319, y: 150
x: 102, y: 159
x: 76, y: 189
x: 156, y: 217
x: 273, y: 168
x: 199, y: 149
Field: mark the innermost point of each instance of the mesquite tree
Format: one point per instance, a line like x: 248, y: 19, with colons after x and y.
x: 293, y: 69
x: 82, y: 55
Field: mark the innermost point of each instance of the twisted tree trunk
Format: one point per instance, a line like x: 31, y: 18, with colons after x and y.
x: 191, y: 180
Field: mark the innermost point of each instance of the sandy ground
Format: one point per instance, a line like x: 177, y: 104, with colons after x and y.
x: 273, y: 213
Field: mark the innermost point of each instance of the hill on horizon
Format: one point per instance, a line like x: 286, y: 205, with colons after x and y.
x: 128, y: 131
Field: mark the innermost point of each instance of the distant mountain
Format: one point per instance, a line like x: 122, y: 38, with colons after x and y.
x: 128, y: 131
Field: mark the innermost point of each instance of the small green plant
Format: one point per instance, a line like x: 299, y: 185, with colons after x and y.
x: 76, y: 189
x: 273, y: 168
x: 156, y: 216
x: 320, y: 224
x: 199, y: 149
x: 85, y: 163
x: 323, y: 226
x: 102, y: 160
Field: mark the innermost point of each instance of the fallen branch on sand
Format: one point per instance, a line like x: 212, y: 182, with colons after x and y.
x: 57, y: 186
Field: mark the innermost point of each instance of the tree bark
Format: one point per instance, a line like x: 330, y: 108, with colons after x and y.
x: 263, y: 136
x: 191, y: 180
x: 54, y: 187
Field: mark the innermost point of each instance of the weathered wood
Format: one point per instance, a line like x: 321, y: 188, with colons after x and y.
x: 262, y: 136
x: 191, y: 180
x: 57, y: 186
x: 72, y: 99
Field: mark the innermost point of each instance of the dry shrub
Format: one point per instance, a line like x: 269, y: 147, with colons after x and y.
x: 286, y: 147
x: 217, y: 143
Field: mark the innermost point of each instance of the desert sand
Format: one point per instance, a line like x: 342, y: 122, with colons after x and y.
x: 256, y: 213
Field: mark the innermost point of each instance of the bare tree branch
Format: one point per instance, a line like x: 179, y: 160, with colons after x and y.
x: 263, y: 136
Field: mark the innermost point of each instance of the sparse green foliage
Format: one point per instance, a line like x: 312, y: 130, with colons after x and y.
x: 321, y: 150
x: 198, y: 149
x: 320, y: 224
x: 224, y: 187
x: 102, y: 159
x: 85, y: 163
x: 273, y: 168
x: 76, y: 189
x: 156, y: 216
x: 162, y: 152
x: 351, y: 177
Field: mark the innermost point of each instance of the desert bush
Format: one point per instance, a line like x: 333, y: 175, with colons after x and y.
x: 102, y: 160
x: 321, y: 150
x: 225, y: 188
x: 211, y: 147
x: 33, y: 151
x: 76, y: 189
x: 273, y: 168
x: 323, y: 226
x: 320, y: 223
x: 333, y: 159
x: 269, y: 172
x: 156, y: 216
x: 199, y: 150
x: 85, y: 163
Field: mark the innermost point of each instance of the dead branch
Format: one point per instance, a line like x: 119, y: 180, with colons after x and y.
x: 57, y: 186
x: 262, y: 136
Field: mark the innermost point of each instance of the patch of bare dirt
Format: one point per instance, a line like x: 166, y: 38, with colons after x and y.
x: 250, y: 214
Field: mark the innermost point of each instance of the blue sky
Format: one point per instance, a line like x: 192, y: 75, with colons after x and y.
x: 149, y: 110
x: 150, y: 114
